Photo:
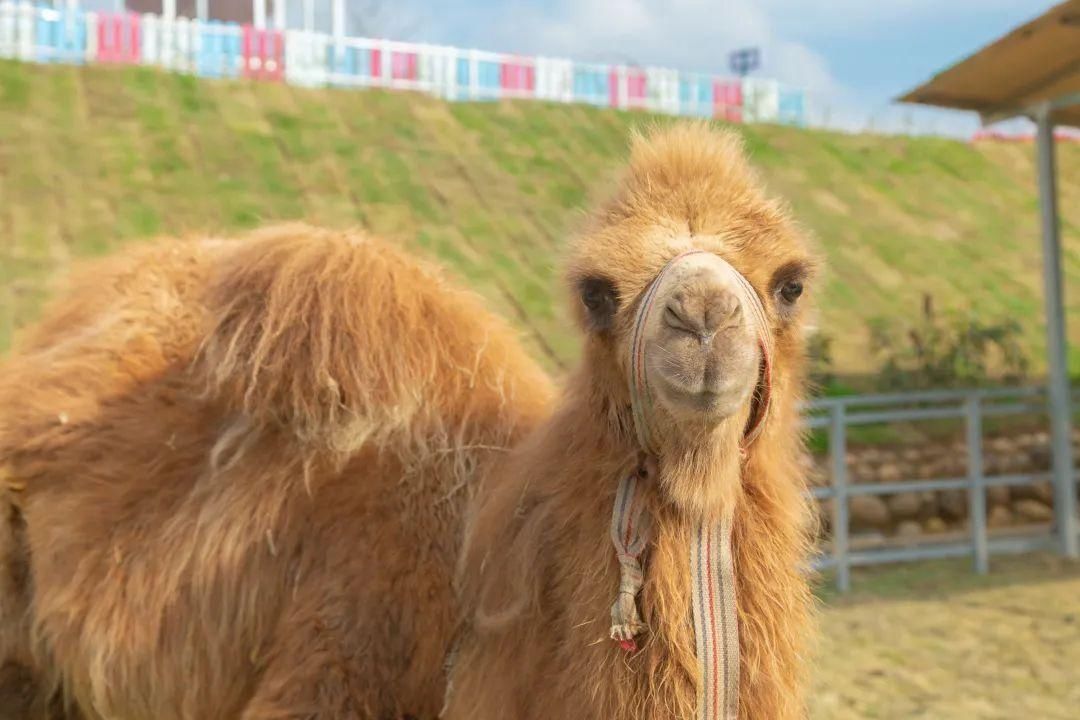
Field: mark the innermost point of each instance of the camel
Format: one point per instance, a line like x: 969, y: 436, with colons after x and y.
x: 688, y: 284
x: 233, y: 477
x: 299, y: 474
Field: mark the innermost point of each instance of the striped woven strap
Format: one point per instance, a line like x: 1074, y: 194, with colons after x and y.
x: 716, y: 622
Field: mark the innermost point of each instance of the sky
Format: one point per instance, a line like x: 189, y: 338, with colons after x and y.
x: 852, y: 56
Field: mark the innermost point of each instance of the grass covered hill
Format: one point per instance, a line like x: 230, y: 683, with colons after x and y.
x: 93, y: 158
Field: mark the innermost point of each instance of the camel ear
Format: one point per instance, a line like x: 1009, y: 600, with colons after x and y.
x: 600, y: 298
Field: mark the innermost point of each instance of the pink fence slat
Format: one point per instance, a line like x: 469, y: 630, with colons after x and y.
x: 728, y: 101
x: 403, y: 65
x: 252, y: 57
x: 517, y: 76
x: 376, y: 63
x: 264, y: 54
x: 636, y: 88
x: 274, y: 52
x: 119, y: 38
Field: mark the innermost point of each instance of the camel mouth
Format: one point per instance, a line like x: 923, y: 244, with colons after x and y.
x: 713, y: 404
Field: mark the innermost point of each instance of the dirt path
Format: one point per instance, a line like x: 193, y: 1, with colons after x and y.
x: 937, y: 642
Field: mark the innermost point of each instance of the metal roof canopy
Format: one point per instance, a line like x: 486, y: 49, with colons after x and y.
x: 1034, y: 71
x: 1034, y: 68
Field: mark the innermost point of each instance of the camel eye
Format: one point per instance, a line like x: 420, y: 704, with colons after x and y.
x: 791, y: 291
x: 601, y: 300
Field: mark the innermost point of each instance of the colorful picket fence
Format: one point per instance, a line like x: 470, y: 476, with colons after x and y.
x: 68, y: 34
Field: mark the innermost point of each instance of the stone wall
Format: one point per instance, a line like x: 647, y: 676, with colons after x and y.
x: 917, y: 513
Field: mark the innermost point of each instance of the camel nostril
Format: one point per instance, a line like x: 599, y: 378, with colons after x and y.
x: 676, y: 317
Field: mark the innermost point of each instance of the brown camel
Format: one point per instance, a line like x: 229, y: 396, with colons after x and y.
x: 235, y: 476
x: 239, y: 475
x: 539, y: 570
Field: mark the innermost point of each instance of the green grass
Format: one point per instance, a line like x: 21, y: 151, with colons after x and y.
x: 91, y: 158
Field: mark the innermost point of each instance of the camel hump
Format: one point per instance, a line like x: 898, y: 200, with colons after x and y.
x: 344, y: 339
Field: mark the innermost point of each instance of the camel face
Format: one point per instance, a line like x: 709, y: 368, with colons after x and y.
x: 694, y: 261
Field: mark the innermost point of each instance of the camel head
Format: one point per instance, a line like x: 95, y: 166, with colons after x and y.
x: 690, y: 285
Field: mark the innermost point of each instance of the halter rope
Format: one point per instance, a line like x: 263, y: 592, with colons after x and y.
x: 712, y: 566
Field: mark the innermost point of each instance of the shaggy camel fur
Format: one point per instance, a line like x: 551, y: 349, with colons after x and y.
x: 539, y: 570
x: 234, y: 475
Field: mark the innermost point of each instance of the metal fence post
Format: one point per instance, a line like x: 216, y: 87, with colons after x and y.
x: 838, y: 451
x: 976, y: 482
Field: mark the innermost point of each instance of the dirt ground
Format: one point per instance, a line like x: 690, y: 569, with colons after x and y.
x: 933, y: 640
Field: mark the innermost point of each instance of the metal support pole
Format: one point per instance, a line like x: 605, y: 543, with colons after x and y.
x: 258, y: 13
x: 1056, y: 353
x: 309, y: 15
x: 337, y: 30
x: 838, y: 452
x: 337, y: 20
x: 279, y: 15
x: 202, y: 10
x: 977, y: 489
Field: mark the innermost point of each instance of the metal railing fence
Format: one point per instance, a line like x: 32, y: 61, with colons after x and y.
x: 836, y: 416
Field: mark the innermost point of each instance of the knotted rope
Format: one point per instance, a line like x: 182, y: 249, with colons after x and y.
x: 629, y: 533
x: 712, y: 566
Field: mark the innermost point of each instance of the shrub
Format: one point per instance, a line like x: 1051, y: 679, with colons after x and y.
x: 936, y: 350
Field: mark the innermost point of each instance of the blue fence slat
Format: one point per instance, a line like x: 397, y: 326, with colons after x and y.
x: 489, y: 77
x: 219, y: 54
x: 345, y: 60
x: 705, y: 99
x: 686, y: 93
x: 696, y: 96
x: 60, y: 35
x: 591, y: 86
x: 366, y: 61
x: 463, y: 78
x: 792, y: 107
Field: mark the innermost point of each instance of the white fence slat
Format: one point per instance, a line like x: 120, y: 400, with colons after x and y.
x: 306, y: 58
x: 91, y: 36
x: 761, y: 100
x: 25, y: 18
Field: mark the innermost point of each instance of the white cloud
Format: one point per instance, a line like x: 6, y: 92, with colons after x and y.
x: 688, y: 34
